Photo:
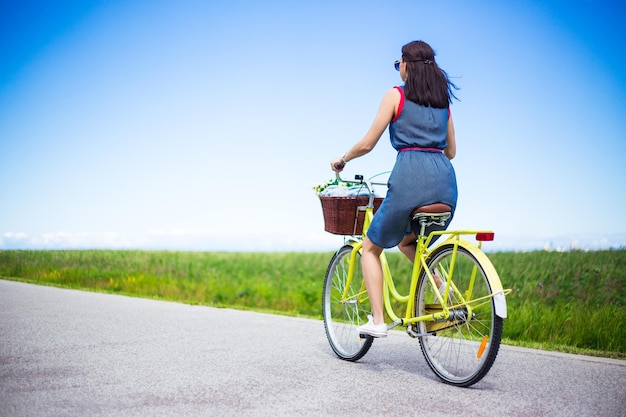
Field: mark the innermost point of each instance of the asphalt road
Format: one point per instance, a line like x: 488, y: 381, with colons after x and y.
x: 74, y: 353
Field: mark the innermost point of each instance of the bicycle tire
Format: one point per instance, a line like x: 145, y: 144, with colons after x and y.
x: 341, y: 318
x: 462, y: 349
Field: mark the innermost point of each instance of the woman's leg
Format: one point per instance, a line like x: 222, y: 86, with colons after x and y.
x: 373, y: 277
x: 408, y: 247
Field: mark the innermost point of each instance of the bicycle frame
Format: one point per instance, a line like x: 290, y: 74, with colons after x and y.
x: 421, y: 256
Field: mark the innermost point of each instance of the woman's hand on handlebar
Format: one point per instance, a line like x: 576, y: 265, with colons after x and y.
x: 337, y: 165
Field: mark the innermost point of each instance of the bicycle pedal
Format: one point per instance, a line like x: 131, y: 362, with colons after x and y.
x: 365, y: 336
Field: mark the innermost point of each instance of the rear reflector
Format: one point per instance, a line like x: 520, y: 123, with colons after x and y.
x: 485, y: 236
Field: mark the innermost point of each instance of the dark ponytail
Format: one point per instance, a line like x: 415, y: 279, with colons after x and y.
x: 426, y: 84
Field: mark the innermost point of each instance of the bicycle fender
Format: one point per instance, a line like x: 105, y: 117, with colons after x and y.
x: 499, y: 300
x: 355, y: 243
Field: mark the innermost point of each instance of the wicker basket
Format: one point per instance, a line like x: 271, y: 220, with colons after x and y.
x: 345, y: 215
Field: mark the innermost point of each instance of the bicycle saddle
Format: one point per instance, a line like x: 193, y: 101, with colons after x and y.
x: 436, y: 213
x: 436, y: 208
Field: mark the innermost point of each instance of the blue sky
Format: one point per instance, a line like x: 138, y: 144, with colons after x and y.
x: 204, y: 125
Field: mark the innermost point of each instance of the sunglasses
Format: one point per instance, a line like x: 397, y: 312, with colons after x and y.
x: 396, y: 64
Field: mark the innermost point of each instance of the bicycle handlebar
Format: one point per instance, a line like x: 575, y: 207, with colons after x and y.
x: 359, y: 179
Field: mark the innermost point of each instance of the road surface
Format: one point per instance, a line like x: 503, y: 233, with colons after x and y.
x: 75, y: 353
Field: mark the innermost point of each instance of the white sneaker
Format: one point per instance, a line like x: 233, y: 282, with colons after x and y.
x: 371, y: 329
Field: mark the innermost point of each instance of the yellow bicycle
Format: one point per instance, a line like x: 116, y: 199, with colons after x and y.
x: 459, y: 325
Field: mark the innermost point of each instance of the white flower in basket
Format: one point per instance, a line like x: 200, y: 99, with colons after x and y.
x: 333, y: 189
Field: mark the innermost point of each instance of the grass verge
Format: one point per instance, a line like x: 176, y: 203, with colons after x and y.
x: 562, y: 301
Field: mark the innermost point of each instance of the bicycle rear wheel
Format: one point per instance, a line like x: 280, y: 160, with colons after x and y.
x: 343, y: 314
x: 461, y: 349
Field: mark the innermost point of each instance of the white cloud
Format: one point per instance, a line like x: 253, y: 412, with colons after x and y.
x: 172, y: 240
x: 556, y: 242
x: 241, y: 242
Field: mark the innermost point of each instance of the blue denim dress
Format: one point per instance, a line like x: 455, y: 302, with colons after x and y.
x: 419, y: 177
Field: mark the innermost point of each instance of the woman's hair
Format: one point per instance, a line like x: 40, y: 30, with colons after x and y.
x: 426, y: 83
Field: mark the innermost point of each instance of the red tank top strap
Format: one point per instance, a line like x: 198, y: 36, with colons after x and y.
x: 400, y: 105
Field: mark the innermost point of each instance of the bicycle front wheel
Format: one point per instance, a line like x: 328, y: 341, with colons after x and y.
x: 345, y: 305
x: 462, y: 348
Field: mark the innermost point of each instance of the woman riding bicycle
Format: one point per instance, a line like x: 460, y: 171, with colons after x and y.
x: 422, y: 131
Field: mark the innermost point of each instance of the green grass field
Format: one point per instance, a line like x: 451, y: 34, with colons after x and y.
x: 565, y: 301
